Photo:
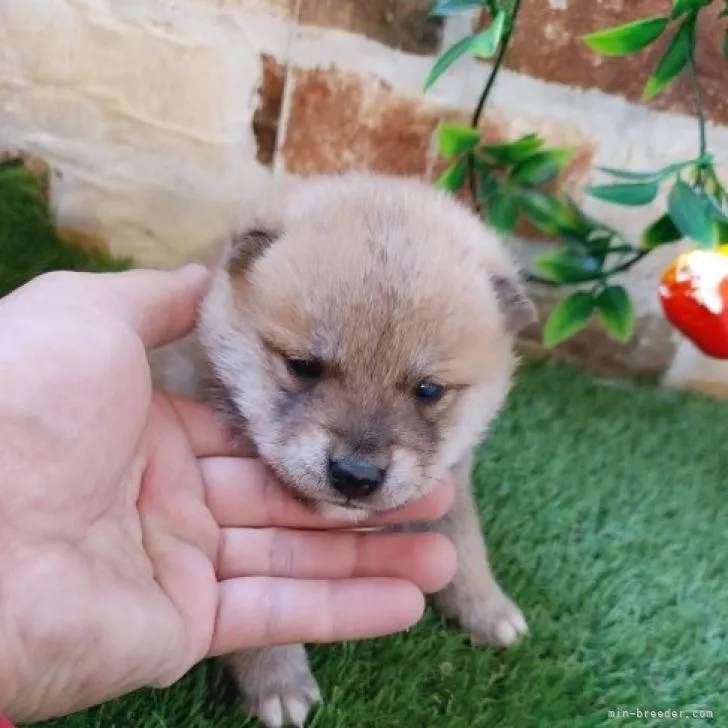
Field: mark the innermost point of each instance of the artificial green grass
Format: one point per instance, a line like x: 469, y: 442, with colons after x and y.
x: 606, y: 511
x: 29, y: 244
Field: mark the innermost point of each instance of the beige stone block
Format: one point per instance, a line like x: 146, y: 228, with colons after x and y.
x: 61, y: 112
x: 692, y: 370
x: 275, y: 8
x: 137, y: 70
x: 156, y: 225
x: 145, y: 111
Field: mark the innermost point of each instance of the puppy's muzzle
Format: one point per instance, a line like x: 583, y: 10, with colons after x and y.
x: 355, y: 477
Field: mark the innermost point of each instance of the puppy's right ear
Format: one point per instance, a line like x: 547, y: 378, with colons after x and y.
x: 514, y: 302
x: 246, y: 246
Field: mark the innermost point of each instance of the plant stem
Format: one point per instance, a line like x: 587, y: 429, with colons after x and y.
x: 494, y: 71
x: 626, y: 265
x: 698, y: 97
x: 475, y: 122
x: 699, y: 107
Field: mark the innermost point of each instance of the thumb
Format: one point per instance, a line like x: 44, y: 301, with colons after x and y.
x: 161, y: 306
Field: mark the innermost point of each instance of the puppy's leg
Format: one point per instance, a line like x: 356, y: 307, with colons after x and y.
x: 473, y: 597
x: 276, y: 683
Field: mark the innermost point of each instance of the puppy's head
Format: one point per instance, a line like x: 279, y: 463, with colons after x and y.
x: 363, y: 334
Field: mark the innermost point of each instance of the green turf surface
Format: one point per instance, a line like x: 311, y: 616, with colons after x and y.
x: 606, y: 510
x: 607, y: 514
x: 29, y: 244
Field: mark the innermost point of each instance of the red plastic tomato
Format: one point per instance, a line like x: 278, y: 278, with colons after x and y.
x: 694, y: 296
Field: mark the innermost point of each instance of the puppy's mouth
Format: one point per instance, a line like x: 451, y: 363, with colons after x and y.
x: 324, y: 505
x: 338, y: 507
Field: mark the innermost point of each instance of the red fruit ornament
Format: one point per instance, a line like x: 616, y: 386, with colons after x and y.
x: 694, y: 296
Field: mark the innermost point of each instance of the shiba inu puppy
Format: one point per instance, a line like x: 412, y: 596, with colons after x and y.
x: 359, y: 333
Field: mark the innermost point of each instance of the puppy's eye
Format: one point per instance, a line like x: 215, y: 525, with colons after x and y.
x: 307, y: 369
x: 428, y: 392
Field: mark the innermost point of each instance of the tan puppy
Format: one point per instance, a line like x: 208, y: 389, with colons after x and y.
x: 361, y: 335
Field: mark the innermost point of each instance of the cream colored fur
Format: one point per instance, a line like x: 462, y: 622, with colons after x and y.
x: 387, y: 281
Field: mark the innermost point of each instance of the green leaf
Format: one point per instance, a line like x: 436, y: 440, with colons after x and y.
x: 674, y: 60
x: 660, y: 232
x: 542, y: 167
x: 487, y: 41
x: 569, y: 317
x: 564, y: 266
x: 514, y: 152
x: 448, y: 58
x: 686, y: 6
x: 450, y: 7
x: 725, y: 45
x: 633, y: 195
x: 602, y: 244
x: 545, y: 211
x: 454, y: 139
x: 717, y: 208
x: 487, y: 185
x: 628, y: 174
x: 692, y: 214
x: 626, y: 38
x: 483, y: 44
x: 572, y: 220
x: 616, y: 312
x: 646, y: 176
x: 502, y: 210
x: 453, y: 178
x: 713, y: 187
x: 722, y: 232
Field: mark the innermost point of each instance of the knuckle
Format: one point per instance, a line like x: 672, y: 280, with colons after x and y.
x: 283, y: 561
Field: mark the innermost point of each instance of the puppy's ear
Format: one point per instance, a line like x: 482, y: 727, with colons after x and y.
x: 246, y: 246
x: 515, y: 304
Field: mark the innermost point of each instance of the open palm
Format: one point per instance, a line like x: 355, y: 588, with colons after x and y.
x: 132, y: 543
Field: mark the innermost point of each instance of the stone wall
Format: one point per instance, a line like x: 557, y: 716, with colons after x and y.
x: 161, y: 117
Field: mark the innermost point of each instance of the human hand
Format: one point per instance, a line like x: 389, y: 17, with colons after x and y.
x: 132, y: 545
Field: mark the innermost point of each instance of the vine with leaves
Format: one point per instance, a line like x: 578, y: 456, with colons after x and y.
x: 507, y: 180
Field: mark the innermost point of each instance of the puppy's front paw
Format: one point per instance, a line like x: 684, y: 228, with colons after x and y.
x: 496, y: 621
x: 286, y: 704
x: 277, y: 684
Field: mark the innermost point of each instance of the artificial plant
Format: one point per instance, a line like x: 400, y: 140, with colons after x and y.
x: 508, y: 181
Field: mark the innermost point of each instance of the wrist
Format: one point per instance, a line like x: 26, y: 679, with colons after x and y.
x: 9, y: 675
x: 9, y: 686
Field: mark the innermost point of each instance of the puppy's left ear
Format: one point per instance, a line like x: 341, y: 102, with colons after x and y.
x: 517, y: 308
x: 246, y: 246
x: 258, y: 225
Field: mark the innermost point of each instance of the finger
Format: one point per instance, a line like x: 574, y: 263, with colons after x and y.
x: 426, y: 559
x: 161, y: 306
x: 253, y: 611
x: 204, y: 428
x: 243, y: 492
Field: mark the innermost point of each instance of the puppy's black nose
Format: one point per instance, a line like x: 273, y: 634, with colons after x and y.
x: 355, y: 477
